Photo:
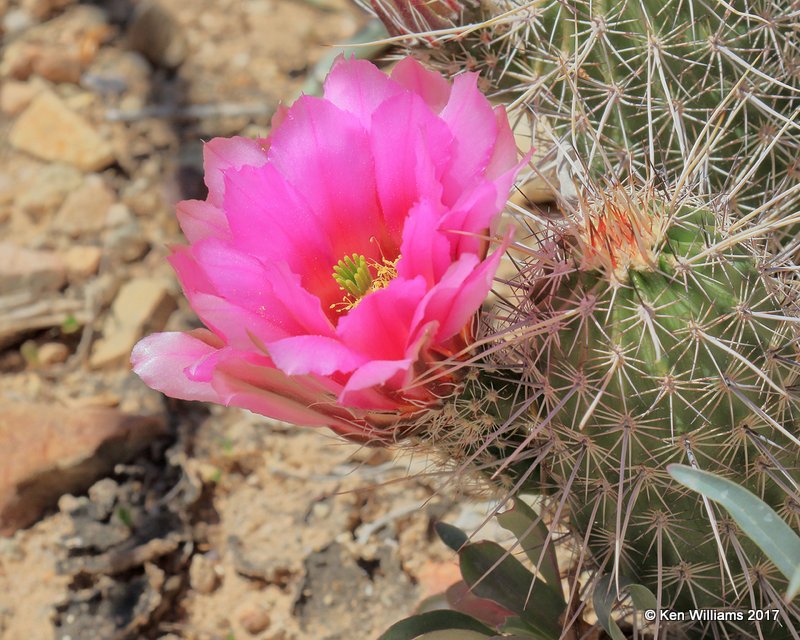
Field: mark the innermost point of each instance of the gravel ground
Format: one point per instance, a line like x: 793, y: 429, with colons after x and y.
x: 127, y: 515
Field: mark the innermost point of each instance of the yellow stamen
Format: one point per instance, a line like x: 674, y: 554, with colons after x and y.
x: 354, y: 275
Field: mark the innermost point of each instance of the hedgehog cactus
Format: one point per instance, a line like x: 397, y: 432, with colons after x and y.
x: 652, y: 326
x: 647, y: 334
x: 714, y: 86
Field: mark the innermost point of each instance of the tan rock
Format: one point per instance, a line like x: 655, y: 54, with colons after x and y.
x: 82, y: 262
x: 15, y: 96
x: 253, y: 617
x: 127, y: 243
x: 49, y: 130
x: 47, y: 451
x: 52, y: 353
x: 144, y: 302
x: 28, y: 270
x: 58, y: 64
x: 202, y: 576
x: 85, y: 210
x: 46, y: 190
x: 43, y: 9
x: 141, y: 306
x: 435, y: 577
x: 156, y: 34
x: 114, y: 348
x: 119, y: 215
x: 18, y: 59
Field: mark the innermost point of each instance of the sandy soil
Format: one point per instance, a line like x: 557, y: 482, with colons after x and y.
x: 227, y: 527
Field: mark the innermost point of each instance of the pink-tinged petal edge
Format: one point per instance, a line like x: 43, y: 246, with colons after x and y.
x: 460, y: 293
x: 161, y: 360
x: 429, y: 85
x: 359, y: 87
x: 223, y: 154
x: 379, y: 327
x: 200, y: 219
x: 314, y: 354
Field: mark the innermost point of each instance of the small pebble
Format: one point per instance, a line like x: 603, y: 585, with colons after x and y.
x: 202, y: 576
x: 52, y: 353
x: 253, y: 617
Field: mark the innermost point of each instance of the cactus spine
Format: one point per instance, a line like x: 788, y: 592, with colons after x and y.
x: 714, y: 86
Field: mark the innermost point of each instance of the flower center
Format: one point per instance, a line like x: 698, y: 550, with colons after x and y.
x: 357, y: 277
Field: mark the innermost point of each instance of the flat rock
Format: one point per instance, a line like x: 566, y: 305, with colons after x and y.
x: 47, y: 451
x: 52, y: 353
x: 202, y: 576
x: 352, y: 590
x: 45, y: 191
x: 43, y: 9
x: 156, y: 34
x: 142, y: 306
x: 82, y: 262
x: 30, y: 271
x: 49, y: 130
x: 15, y: 96
x: 85, y: 210
x: 58, y: 63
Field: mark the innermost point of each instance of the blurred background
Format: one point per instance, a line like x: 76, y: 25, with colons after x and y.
x: 124, y: 514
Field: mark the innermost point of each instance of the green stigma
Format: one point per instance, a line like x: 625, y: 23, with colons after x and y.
x: 353, y: 276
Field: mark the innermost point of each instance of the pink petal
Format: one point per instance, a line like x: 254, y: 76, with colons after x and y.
x: 473, y: 125
x: 304, y: 400
x: 505, y: 181
x: 241, y: 328
x: 271, y: 220
x: 271, y: 292
x: 273, y: 405
x: 200, y: 219
x: 371, y: 374
x: 263, y: 389
x: 379, y: 326
x: 324, y: 153
x: 411, y: 147
x: 425, y: 250
x: 395, y: 376
x: 161, y: 359
x: 237, y: 324
x: 369, y: 398
x: 223, y: 154
x: 459, y: 295
x: 260, y: 371
x: 312, y: 392
x: 474, y: 216
x: 191, y: 276
x: 321, y: 355
x: 359, y: 87
x: 431, y: 86
x: 504, y: 153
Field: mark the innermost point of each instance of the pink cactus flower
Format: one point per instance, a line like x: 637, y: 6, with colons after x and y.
x: 339, y: 260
